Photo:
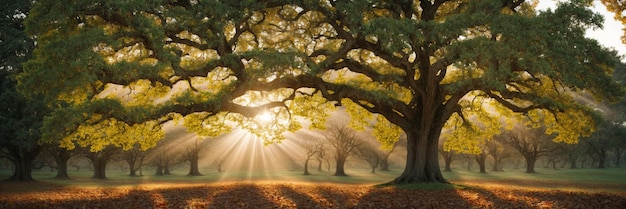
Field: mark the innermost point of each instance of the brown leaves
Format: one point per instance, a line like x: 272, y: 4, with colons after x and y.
x: 297, y: 195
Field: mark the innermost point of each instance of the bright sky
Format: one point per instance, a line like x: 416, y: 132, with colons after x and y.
x: 608, y: 36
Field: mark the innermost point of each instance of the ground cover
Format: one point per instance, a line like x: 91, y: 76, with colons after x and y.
x: 581, y: 188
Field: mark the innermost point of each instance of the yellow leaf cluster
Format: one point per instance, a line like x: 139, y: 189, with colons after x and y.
x: 113, y: 132
x: 205, y: 124
x: 386, y: 132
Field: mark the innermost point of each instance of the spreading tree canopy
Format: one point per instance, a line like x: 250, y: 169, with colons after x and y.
x: 113, y: 68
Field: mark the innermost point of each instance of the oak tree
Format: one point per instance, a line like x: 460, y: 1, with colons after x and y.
x: 20, y: 117
x: 215, y: 65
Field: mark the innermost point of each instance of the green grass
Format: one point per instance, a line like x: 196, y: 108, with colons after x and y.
x: 589, y: 179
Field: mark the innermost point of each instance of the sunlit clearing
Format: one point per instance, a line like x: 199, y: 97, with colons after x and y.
x: 240, y: 155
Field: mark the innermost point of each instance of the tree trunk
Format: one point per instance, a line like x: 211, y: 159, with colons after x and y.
x: 193, y: 167
x: 497, y: 164
x: 384, y: 165
x: 339, y: 170
x: 306, y: 166
x: 319, y: 164
x: 375, y: 164
x: 166, y: 169
x: 22, y: 159
x: 22, y: 169
x: 530, y: 163
x: 448, y: 157
x: 601, y: 158
x: 159, y: 170
x: 99, y: 169
x: 481, y: 159
x: 62, y: 167
x: 132, y: 169
x: 422, y: 163
x: 618, y: 157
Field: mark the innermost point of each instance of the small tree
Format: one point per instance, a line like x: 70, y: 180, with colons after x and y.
x: 191, y: 154
x: 312, y: 149
x: 135, y: 158
x: 100, y: 159
x: 61, y: 157
x: 498, y: 152
x: 345, y: 142
x: 371, y: 155
x: 448, y: 157
x: 531, y: 143
x: 162, y: 159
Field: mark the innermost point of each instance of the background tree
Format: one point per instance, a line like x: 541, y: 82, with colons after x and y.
x: 191, y: 154
x: 163, y: 159
x: 530, y: 142
x: 219, y: 164
x: 481, y: 159
x: 20, y: 118
x: 345, y: 142
x: 498, y: 152
x: 448, y: 157
x: 100, y: 158
x: 600, y: 142
x: 370, y: 154
x: 323, y: 156
x: 411, y: 62
x: 312, y: 148
x: 135, y: 159
x: 61, y: 156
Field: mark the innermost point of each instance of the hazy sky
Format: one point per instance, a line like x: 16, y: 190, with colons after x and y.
x: 608, y: 36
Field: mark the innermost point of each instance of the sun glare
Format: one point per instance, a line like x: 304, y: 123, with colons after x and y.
x: 265, y: 117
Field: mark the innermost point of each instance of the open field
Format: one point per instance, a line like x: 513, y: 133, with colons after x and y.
x: 579, y: 188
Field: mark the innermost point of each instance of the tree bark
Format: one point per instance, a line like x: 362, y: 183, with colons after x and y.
x: 99, y: 169
x: 22, y: 159
x: 448, y: 157
x: 422, y: 164
x: 159, y: 170
x: 319, y: 164
x: 193, y: 167
x: 601, y: 158
x: 132, y: 169
x: 384, y: 165
x: 22, y: 169
x: 306, y: 166
x: 530, y: 163
x: 481, y: 159
x: 62, y: 167
x: 618, y: 156
x: 339, y: 170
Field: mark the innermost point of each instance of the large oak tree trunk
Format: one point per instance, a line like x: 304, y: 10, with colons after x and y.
x: 422, y: 164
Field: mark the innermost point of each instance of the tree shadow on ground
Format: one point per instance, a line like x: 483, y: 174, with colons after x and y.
x: 295, y: 195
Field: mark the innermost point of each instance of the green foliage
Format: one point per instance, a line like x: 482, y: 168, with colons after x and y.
x: 420, y: 65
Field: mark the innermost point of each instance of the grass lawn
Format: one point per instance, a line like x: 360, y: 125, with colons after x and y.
x: 548, y: 188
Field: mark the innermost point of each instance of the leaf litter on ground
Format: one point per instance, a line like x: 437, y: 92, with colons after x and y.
x: 296, y: 195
